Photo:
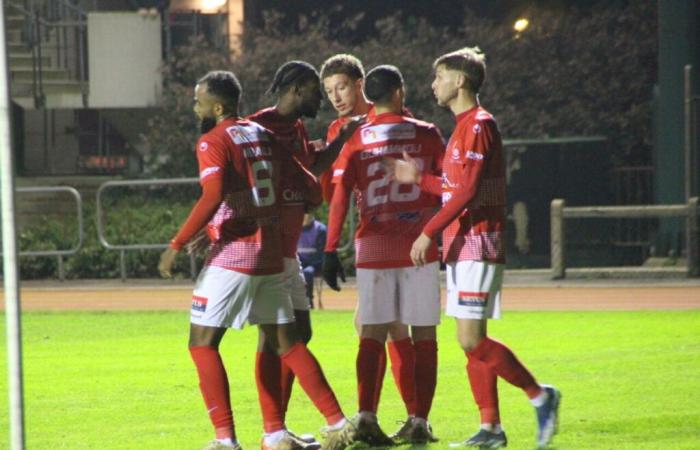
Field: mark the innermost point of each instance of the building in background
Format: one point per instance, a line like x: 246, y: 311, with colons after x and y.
x: 85, y: 75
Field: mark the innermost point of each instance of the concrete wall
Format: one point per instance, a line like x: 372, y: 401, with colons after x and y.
x: 124, y: 60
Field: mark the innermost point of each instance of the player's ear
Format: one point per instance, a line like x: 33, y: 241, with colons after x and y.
x: 461, y: 80
x: 360, y: 84
x: 218, y: 109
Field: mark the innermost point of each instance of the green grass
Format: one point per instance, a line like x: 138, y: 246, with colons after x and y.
x: 630, y: 380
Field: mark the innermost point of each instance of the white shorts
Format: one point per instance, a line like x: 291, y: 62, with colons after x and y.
x: 410, y: 295
x: 228, y: 299
x: 295, y: 284
x: 474, y: 290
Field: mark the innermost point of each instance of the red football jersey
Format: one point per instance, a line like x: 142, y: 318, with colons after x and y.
x: 245, y: 230
x: 473, y: 185
x: 292, y: 137
x: 392, y: 215
x: 326, y: 178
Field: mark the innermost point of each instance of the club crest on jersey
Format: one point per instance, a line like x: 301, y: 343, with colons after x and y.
x: 199, y: 303
x: 476, y: 128
x: 456, y: 153
x: 203, y: 146
x: 472, y: 299
x: 385, y: 132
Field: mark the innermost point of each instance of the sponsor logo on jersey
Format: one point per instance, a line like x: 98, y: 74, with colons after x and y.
x: 208, y: 171
x: 413, y: 216
x: 256, y: 152
x: 390, y: 149
x: 386, y: 132
x: 471, y: 154
x: 476, y: 128
x: 203, y: 146
x: 246, y: 134
x: 472, y: 299
x: 292, y: 195
x: 199, y: 303
x: 338, y: 172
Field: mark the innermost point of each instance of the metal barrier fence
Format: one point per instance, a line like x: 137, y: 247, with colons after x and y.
x: 559, y: 211
x: 60, y: 254
x: 123, y: 248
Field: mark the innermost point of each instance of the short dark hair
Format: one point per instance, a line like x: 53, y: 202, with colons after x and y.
x: 345, y: 64
x: 471, y: 61
x: 381, y: 82
x: 292, y: 73
x: 224, y: 86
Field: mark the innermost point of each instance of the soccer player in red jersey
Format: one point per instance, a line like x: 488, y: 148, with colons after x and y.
x: 242, y: 279
x: 297, y: 85
x: 343, y: 78
x: 472, y: 219
x: 392, y: 215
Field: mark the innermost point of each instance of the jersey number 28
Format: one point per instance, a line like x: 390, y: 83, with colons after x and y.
x: 374, y: 198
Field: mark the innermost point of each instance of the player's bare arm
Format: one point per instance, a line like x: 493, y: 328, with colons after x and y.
x: 328, y: 155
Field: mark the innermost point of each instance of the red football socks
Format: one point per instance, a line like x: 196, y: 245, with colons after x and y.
x: 425, y: 376
x: 483, y: 382
x: 286, y: 382
x: 213, y: 383
x: 381, y: 370
x: 504, y: 363
x: 367, y: 365
x: 307, y: 370
x: 403, y: 363
x: 267, y: 377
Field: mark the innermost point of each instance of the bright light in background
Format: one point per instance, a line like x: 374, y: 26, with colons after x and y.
x: 213, y: 4
x: 521, y: 24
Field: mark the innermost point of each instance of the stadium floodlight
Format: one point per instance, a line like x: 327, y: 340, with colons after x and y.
x: 521, y: 24
x: 9, y: 254
x: 213, y: 4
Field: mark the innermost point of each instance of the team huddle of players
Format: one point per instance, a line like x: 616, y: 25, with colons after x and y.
x: 261, y: 173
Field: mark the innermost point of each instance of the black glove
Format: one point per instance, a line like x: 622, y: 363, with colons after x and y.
x: 332, y: 269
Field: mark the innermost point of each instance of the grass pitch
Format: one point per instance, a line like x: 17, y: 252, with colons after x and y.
x: 119, y: 380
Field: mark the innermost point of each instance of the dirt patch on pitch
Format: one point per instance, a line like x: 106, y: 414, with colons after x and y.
x: 514, y: 298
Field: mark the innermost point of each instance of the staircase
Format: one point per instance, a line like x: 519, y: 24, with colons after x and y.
x: 46, y: 53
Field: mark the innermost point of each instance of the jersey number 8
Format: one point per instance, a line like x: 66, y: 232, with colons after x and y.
x: 263, y: 189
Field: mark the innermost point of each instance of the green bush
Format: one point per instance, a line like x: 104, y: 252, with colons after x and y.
x: 129, y: 220
x: 133, y: 219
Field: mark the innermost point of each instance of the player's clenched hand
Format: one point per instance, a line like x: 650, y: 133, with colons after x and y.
x: 332, y: 269
x: 402, y: 170
x: 419, y: 250
x: 167, y: 259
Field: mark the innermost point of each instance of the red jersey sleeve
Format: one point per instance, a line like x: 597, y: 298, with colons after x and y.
x: 212, y: 159
x: 326, y: 178
x: 465, y: 187
x: 431, y: 179
x: 344, y: 179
